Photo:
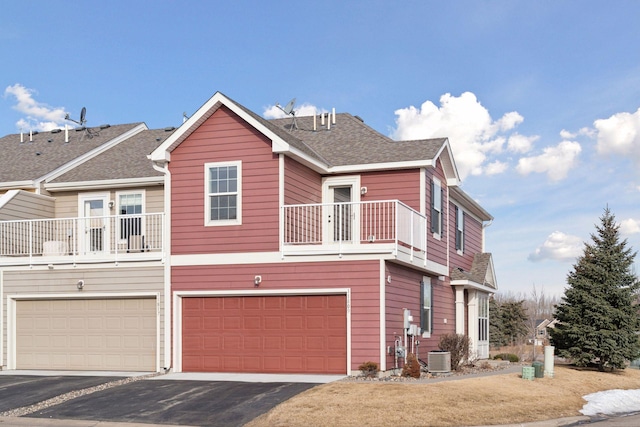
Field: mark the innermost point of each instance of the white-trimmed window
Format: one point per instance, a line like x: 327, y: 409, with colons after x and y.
x: 426, y: 301
x: 436, y: 207
x: 459, y: 230
x: 483, y: 318
x: 223, y: 193
x: 130, y: 208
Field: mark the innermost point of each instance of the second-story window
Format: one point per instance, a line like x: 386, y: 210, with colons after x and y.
x: 223, y: 197
x: 436, y: 207
x: 130, y: 207
x: 459, y: 229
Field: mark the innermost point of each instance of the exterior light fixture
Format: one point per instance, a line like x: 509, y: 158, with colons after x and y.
x: 80, y: 284
x: 257, y: 280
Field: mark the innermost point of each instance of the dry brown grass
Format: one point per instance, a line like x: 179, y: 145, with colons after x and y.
x: 499, y: 399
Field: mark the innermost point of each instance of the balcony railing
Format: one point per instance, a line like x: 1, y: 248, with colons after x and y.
x: 364, y: 227
x: 66, y: 240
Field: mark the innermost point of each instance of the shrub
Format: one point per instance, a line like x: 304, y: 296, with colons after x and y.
x: 458, y: 346
x: 513, y: 358
x: 369, y: 369
x: 411, y: 367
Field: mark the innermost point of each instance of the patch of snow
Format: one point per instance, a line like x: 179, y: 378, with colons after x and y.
x: 611, y: 402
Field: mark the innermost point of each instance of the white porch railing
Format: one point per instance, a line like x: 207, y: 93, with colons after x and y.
x: 364, y: 227
x: 78, y: 239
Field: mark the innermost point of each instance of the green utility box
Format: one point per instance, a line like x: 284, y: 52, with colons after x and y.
x: 528, y: 372
x: 539, y: 369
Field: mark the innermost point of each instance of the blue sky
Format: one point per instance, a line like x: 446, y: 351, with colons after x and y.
x: 540, y: 100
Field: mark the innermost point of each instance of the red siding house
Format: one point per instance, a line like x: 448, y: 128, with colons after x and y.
x: 302, y: 245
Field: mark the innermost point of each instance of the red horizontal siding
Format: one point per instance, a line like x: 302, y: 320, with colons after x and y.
x: 301, y: 184
x: 404, y: 292
x: 437, y: 248
x: 403, y: 185
x: 362, y: 277
x: 224, y: 137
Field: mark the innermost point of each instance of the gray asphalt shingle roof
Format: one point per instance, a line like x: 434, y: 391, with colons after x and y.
x: 127, y: 159
x: 30, y: 160
x: 479, y: 269
x: 351, y: 142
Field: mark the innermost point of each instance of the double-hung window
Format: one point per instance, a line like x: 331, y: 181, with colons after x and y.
x: 459, y: 229
x: 436, y: 207
x: 426, y: 313
x: 223, y: 185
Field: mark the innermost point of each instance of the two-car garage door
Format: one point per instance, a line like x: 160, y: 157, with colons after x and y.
x: 267, y: 334
x: 87, y: 334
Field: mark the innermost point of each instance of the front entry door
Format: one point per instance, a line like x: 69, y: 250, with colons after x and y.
x: 341, y: 212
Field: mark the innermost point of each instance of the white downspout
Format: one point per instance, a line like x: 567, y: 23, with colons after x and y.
x: 166, y: 256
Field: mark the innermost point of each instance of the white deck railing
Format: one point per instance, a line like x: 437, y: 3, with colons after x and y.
x: 73, y: 239
x: 353, y: 227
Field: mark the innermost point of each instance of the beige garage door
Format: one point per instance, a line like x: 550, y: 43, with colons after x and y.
x: 86, y: 334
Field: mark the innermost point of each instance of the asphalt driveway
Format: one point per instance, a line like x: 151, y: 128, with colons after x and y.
x: 17, y: 391
x: 193, y: 403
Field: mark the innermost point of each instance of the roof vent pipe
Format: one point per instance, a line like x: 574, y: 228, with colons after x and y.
x: 30, y: 135
x: 314, y: 121
x: 66, y: 133
x: 328, y: 122
x: 322, y: 119
x: 333, y: 113
x: 21, y: 136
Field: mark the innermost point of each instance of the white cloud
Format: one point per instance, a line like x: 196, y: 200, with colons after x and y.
x: 554, y: 161
x: 40, y: 116
x: 466, y: 122
x: 629, y: 226
x: 565, y: 134
x: 306, y: 109
x: 560, y: 247
x: 619, y: 134
x: 521, y: 144
x: 496, y: 167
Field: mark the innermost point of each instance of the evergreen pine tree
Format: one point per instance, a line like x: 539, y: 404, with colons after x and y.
x: 598, y: 317
x: 496, y: 336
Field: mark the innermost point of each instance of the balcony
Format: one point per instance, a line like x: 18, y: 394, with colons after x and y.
x: 82, y: 240
x: 380, y: 227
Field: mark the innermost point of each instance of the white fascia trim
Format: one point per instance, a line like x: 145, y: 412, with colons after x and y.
x: 203, y: 113
x: 469, y: 284
x: 91, y: 154
x: 111, y: 183
x: 303, y: 158
x: 413, y: 164
x: 83, y: 295
x: 451, y: 180
x: 80, y: 266
x: 248, y: 258
x: 437, y: 268
x: 177, y: 312
x: 11, y: 185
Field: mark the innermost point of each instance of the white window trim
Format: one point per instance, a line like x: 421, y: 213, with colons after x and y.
x: 207, y: 201
x: 117, y: 209
x: 426, y: 283
x: 437, y: 189
x: 460, y: 212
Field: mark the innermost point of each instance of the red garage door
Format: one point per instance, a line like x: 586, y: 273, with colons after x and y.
x: 270, y: 334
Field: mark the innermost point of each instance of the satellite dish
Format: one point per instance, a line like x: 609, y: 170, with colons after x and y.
x: 83, y: 119
x: 288, y: 109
